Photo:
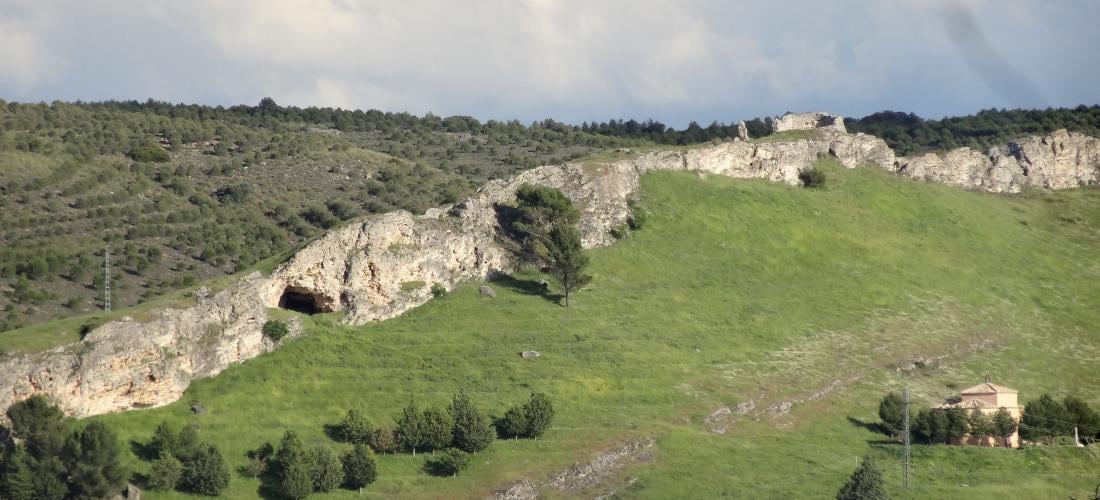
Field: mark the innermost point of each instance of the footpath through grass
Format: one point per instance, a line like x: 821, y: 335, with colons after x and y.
x: 734, y: 291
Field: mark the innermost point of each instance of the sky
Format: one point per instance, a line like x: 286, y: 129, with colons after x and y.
x: 570, y: 60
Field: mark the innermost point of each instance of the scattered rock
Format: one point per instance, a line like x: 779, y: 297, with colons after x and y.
x: 519, y: 490
x: 745, y: 407
x: 198, y: 408
x: 584, y: 475
x: 529, y: 354
x: 487, y: 291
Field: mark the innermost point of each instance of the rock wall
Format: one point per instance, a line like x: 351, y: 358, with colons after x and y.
x: 1058, y: 160
x: 383, y: 265
x: 131, y: 364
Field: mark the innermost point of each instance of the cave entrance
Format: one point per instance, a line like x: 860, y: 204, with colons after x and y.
x: 299, y: 300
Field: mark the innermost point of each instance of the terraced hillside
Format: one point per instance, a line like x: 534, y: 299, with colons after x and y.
x: 749, y: 328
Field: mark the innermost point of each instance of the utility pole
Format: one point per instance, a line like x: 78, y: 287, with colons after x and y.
x: 905, y: 439
x: 107, y: 279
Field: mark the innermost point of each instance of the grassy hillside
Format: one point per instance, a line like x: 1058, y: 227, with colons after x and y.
x: 735, y: 291
x: 183, y: 194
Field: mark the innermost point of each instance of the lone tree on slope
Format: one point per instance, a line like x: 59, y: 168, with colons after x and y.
x: 865, y: 484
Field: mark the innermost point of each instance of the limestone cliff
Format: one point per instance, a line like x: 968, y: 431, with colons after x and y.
x: 383, y: 265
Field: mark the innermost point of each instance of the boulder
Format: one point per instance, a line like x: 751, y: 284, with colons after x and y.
x: 487, y: 291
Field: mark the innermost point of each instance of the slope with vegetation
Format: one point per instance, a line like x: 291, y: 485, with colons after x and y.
x: 750, y: 327
x: 184, y: 193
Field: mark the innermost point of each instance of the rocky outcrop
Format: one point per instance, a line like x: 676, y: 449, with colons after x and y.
x: 808, y: 121
x: 130, y: 364
x: 383, y: 265
x: 1058, y: 160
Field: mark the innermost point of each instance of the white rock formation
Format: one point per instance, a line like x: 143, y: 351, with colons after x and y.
x: 383, y: 265
x: 808, y: 121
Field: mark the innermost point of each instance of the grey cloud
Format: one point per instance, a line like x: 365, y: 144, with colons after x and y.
x: 567, y: 59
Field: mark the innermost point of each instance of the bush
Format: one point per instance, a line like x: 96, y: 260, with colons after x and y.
x: 450, y: 462
x: 382, y: 440
x: 149, y: 153
x: 513, y: 424
x: 275, y: 330
x: 812, y: 178
x: 438, y: 290
x: 891, y: 410
x: 360, y: 468
x: 865, y: 484
x: 638, y: 215
x: 165, y: 473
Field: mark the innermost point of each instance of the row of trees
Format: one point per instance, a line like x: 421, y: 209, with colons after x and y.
x: 1043, y: 419
x: 295, y: 471
x: 53, y: 460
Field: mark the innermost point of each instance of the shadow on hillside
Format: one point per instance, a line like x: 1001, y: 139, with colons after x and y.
x: 527, y: 287
x: 875, y: 427
x: 334, y: 432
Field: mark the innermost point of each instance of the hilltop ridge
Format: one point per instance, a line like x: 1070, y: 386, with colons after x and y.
x: 368, y: 268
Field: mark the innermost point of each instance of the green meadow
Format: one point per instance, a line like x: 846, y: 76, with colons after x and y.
x: 810, y: 304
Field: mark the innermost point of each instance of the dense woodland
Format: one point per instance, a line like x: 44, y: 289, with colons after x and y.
x: 183, y: 193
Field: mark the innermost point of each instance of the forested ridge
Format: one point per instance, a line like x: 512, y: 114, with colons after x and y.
x: 183, y: 193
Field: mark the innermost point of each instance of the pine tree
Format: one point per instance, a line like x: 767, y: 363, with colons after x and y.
x: 187, y: 445
x: 360, y: 468
x: 165, y: 473
x: 891, y: 411
x: 206, y: 472
x: 41, y: 425
x: 958, y: 425
x: 567, y: 259
x: 94, y: 462
x: 296, y: 481
x: 865, y: 483
x: 165, y: 441
x: 437, y: 429
x: 356, y: 428
x: 539, y: 412
x: 328, y: 472
x: 980, y: 425
x: 19, y: 476
x: 471, y: 429
x: 290, y: 452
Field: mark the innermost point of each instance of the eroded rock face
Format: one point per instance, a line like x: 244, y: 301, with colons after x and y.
x: 1059, y: 160
x: 130, y: 364
x: 383, y: 265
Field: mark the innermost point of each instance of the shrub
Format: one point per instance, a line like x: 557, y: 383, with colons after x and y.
x: 149, y: 153
x: 438, y: 290
x: 812, y: 178
x: 360, y: 468
x: 513, y: 424
x: 450, y: 462
x: 275, y: 330
x: 638, y: 215
x: 165, y: 473
x: 382, y: 440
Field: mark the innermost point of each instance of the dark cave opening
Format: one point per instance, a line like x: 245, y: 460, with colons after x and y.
x: 298, y: 300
